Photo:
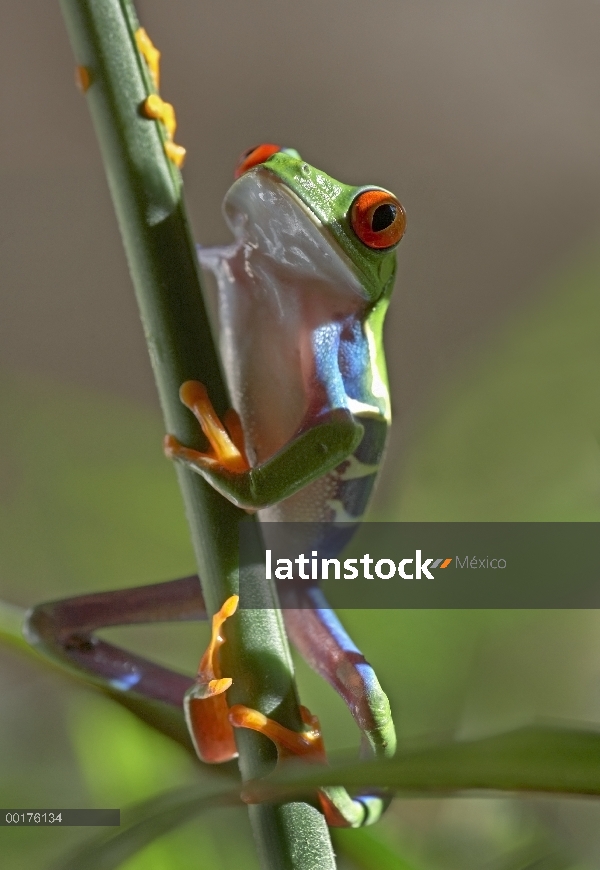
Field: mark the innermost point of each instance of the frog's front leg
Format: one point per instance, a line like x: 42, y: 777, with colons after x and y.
x: 309, y: 455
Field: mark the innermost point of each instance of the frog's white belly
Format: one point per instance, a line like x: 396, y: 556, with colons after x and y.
x: 282, y: 281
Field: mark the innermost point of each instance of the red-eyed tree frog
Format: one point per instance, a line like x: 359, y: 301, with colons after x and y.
x: 303, y: 292
x: 302, y: 295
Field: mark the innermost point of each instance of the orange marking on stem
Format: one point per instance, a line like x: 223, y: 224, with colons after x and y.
x: 82, y: 78
x: 175, y: 153
x: 150, y: 54
x: 154, y: 107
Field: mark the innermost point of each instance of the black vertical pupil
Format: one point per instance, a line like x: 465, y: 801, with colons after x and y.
x: 383, y: 217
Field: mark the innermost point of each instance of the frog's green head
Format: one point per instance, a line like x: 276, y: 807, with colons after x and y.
x: 366, y: 222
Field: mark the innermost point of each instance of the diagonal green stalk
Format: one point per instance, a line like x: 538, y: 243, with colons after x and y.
x: 147, y: 194
x: 11, y: 626
x: 535, y: 759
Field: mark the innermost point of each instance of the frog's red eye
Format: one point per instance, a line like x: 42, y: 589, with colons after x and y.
x: 253, y: 156
x: 378, y: 219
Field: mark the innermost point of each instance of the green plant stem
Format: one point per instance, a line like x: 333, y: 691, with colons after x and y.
x: 146, y: 191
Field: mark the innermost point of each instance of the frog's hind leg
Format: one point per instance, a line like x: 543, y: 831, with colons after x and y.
x: 320, y: 638
x: 64, y: 630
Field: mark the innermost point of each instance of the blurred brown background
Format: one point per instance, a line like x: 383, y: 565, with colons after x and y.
x: 484, y: 118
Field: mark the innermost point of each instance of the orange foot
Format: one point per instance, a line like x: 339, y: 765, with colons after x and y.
x: 205, y: 705
x: 226, y: 441
x: 307, y: 744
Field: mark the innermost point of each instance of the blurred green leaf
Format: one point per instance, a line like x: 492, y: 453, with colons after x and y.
x: 145, y: 822
x: 535, y: 759
x: 124, y: 760
x: 368, y: 851
x: 87, y: 499
x: 528, y: 760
